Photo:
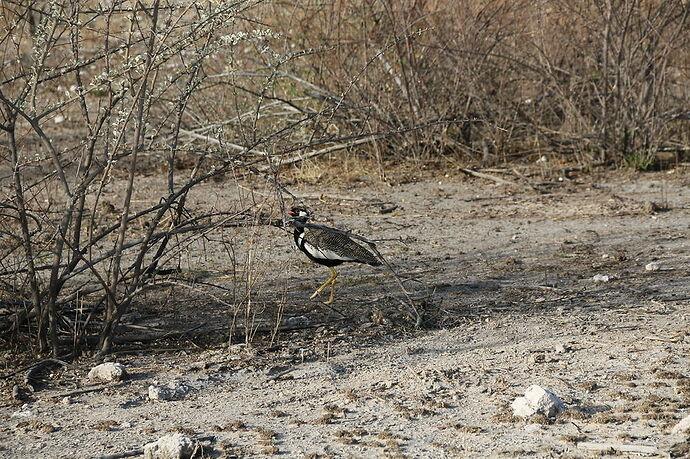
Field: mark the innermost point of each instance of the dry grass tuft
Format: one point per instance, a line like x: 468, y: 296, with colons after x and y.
x: 573, y: 438
x: 574, y: 414
x: 105, y: 425
x: 327, y: 418
x: 665, y: 374
x: 589, y: 386
x: 351, y: 395
x: 506, y: 417
x: 182, y: 430
x: 235, y: 426
x: 43, y: 427
x: 270, y: 450
x: 330, y: 408
x: 608, y: 418
x: 464, y: 428
x: 625, y: 377
x: 265, y: 434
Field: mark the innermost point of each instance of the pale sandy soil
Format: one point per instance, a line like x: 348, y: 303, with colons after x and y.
x: 504, y: 282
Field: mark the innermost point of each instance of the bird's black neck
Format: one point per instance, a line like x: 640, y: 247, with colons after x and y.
x: 299, y: 229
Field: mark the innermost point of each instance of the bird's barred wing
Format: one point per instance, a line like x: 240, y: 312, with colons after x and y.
x: 318, y: 251
x: 333, y: 245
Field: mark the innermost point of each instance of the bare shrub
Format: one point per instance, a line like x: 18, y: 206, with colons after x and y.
x: 92, y: 100
x: 115, y: 114
x: 496, y: 80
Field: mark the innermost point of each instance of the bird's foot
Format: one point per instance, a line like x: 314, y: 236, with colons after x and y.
x: 322, y: 288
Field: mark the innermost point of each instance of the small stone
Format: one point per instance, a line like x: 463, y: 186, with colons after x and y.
x: 58, y: 119
x: 198, y: 366
x: 384, y: 385
x: 537, y: 358
x: 296, y: 321
x: 601, y: 278
x: 683, y: 426
x: 67, y: 400
x: 237, y: 348
x: 108, y: 372
x: 561, y: 348
x: 653, y: 266
x: 173, y: 391
x: 537, y: 400
x: 532, y: 428
x: 175, y: 446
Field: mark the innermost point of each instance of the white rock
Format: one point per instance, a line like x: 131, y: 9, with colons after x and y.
x: 109, y: 371
x: 537, y: 400
x: 601, y: 278
x: 58, y: 119
x: 173, y: 391
x: 653, y: 266
x: 25, y: 412
x: 683, y: 426
x: 175, y: 446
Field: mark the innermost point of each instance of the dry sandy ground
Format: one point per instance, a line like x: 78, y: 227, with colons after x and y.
x: 504, y: 280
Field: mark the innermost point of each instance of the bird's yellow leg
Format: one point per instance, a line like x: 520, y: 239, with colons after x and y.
x: 330, y: 281
x: 332, y: 295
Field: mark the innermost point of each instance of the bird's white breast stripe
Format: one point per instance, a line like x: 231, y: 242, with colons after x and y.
x: 320, y: 253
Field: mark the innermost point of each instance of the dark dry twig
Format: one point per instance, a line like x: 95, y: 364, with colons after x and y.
x: 496, y: 179
x: 87, y: 390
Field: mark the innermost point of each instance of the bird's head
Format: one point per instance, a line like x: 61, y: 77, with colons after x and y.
x: 299, y: 214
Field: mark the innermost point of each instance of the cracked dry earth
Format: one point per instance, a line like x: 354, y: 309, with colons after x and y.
x: 505, y: 284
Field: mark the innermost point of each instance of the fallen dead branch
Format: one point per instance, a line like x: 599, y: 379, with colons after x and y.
x: 301, y: 157
x: 496, y: 179
x: 619, y: 447
x: 88, y: 390
x: 132, y: 453
x: 140, y: 452
x: 28, y: 367
x: 30, y: 375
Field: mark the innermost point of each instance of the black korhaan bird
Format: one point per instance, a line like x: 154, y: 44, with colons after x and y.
x: 327, y: 246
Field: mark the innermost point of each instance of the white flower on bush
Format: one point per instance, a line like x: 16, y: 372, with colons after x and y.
x: 235, y: 38
x: 238, y: 37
